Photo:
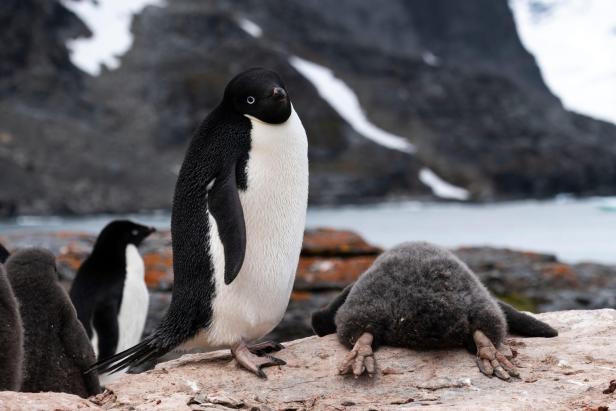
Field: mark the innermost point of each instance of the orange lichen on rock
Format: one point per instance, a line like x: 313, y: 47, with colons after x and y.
x: 327, y: 241
x: 300, y: 295
x: 559, y: 271
x: 158, y: 269
x: 332, y: 270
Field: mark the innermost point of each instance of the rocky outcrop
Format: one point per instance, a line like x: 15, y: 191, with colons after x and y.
x: 540, y: 282
x: 452, y: 78
x: 571, y: 371
x: 332, y: 259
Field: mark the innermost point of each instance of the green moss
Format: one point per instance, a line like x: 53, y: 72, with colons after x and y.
x: 519, y: 301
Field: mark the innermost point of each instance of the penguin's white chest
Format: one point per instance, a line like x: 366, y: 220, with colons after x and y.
x: 274, y: 207
x: 135, y: 299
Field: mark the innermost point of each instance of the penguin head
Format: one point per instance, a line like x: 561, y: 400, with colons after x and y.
x: 124, y: 232
x: 32, y: 264
x: 259, y: 93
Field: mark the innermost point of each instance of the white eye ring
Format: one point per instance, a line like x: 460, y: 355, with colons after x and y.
x: 135, y: 232
x: 250, y: 100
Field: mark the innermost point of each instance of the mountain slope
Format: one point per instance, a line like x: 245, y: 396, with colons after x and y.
x: 449, y: 82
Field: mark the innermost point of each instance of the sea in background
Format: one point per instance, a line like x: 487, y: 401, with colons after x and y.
x: 573, y: 229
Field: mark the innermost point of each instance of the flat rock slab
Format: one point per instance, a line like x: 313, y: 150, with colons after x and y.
x: 22, y: 401
x: 567, y: 372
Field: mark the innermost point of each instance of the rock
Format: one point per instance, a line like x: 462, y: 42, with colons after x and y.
x: 332, y: 259
x: 331, y: 242
x: 539, y: 282
x: 570, y: 371
x: 330, y: 272
x: 21, y: 401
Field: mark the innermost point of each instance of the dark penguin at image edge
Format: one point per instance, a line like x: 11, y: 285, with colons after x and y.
x: 4, y: 254
x: 421, y: 296
x: 109, y: 290
x: 237, y: 226
x: 56, y: 348
x: 11, y: 333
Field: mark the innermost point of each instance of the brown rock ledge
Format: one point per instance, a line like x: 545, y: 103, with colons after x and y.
x: 563, y: 373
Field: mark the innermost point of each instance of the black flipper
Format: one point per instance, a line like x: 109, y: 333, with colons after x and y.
x: 224, y: 204
x: 525, y: 325
x: 105, y: 322
x: 323, y: 320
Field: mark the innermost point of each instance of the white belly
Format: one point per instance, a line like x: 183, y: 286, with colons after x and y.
x: 135, y: 300
x: 133, y: 310
x: 274, y: 208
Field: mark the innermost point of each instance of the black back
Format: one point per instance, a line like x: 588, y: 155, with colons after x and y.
x: 218, y: 151
x: 97, y: 289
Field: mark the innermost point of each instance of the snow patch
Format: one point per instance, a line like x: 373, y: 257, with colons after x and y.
x: 109, y: 21
x: 430, y: 59
x: 574, y: 43
x: 342, y: 99
x: 250, y: 27
x: 440, y: 187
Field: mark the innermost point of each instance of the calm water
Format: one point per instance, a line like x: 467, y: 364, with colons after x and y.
x: 575, y: 230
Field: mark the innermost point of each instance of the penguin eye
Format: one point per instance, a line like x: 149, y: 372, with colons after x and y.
x: 135, y: 232
x: 250, y: 100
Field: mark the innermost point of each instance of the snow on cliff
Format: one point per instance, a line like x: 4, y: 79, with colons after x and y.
x: 440, y: 187
x: 574, y: 42
x: 109, y: 21
x: 344, y: 100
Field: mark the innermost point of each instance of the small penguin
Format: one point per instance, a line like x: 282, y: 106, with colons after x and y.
x: 237, y: 226
x: 56, y: 348
x: 11, y: 333
x: 109, y: 290
x: 421, y: 296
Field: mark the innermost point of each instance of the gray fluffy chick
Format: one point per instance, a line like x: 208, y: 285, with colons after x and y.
x: 57, y: 350
x: 11, y: 337
x: 421, y: 296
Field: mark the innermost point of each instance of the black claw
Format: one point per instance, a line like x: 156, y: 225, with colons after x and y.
x: 261, y: 374
x: 266, y: 348
x: 276, y: 361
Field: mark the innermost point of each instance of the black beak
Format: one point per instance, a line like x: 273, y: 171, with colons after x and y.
x: 279, y: 93
x: 152, y: 230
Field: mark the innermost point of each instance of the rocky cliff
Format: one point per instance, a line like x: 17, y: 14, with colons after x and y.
x: 452, y: 78
x: 572, y: 371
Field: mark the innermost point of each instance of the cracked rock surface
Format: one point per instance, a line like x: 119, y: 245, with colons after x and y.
x: 567, y: 372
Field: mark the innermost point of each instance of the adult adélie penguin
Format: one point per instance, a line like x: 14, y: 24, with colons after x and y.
x: 237, y: 225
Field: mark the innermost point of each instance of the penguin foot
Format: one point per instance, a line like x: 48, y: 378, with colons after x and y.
x: 253, y: 363
x: 360, y: 359
x: 492, y: 361
x: 265, y: 347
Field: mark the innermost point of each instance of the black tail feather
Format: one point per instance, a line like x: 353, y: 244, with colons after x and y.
x: 323, y: 319
x: 525, y: 325
x: 132, y: 356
